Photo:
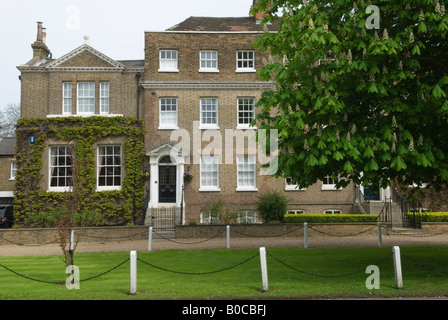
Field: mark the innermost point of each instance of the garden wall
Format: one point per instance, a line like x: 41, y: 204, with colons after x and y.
x: 133, y: 233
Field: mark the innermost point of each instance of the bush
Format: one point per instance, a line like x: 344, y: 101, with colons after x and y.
x: 272, y: 206
x: 329, y: 218
x: 434, y: 216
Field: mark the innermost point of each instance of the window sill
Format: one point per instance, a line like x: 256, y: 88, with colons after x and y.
x: 85, y: 115
x: 249, y: 189
x: 245, y: 70
x: 294, y: 188
x: 169, y: 70
x: 209, y: 189
x: 100, y: 189
x: 330, y: 188
x: 209, y: 70
x: 67, y: 189
x: 168, y: 128
x: 243, y: 127
x: 203, y: 127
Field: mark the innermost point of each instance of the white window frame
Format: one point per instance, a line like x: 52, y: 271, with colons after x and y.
x: 294, y: 211
x: 209, y: 166
x: 292, y: 187
x: 244, y: 61
x: 79, y: 97
x: 107, y: 187
x: 247, y: 216
x: 163, y: 102
x: 206, y: 217
x: 329, y: 186
x: 204, y: 103
x: 51, y: 168
x: 13, y: 171
x: 246, y: 164
x: 104, y: 98
x: 332, y: 211
x: 168, y: 64
x: 67, y: 98
x: 208, y: 57
x: 243, y: 102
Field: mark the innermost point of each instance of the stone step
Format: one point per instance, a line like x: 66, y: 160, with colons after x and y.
x: 406, y: 231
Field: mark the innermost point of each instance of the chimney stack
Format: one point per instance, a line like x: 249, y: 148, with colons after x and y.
x: 40, y: 49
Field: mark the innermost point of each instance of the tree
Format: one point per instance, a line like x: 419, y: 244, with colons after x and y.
x: 8, y: 120
x: 356, y: 94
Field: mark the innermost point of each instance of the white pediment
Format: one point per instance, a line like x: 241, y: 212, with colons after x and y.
x: 106, y: 62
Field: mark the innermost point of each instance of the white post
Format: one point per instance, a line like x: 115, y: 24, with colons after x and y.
x: 133, y: 263
x: 228, y: 236
x: 380, y: 236
x: 72, y: 240
x: 264, y: 268
x: 305, y: 235
x: 397, y: 268
x: 150, y: 239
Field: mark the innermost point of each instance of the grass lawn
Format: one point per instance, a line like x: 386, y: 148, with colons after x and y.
x: 292, y: 273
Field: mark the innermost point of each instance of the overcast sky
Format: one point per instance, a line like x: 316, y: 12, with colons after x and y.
x: 115, y: 28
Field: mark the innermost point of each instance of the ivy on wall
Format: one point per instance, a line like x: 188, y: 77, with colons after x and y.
x: 115, y: 207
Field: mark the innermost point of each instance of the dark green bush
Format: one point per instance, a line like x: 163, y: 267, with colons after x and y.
x: 272, y: 206
x: 434, y: 216
x: 329, y: 218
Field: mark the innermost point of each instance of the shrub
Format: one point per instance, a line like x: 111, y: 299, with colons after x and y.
x: 330, y: 218
x: 272, y: 206
x: 434, y: 216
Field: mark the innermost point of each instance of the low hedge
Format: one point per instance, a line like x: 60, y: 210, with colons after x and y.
x: 329, y: 218
x: 434, y: 217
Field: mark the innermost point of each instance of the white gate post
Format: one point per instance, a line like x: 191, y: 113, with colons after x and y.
x: 133, y: 263
x: 228, y: 236
x: 72, y: 240
x: 264, y: 268
x: 397, y: 268
x: 150, y: 239
x: 305, y: 235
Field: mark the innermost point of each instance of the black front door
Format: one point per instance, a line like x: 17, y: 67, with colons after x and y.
x: 167, y: 184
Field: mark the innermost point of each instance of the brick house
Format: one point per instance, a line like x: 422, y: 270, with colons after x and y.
x: 200, y: 90
x: 84, y: 106
x: 7, y: 175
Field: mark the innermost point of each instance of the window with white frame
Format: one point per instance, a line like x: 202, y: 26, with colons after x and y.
x: 168, y: 61
x: 104, y: 97
x: 61, y: 168
x: 329, y: 182
x: 246, y: 172
x: 245, y: 61
x: 168, y: 113
x: 208, y: 61
x: 296, y: 211
x: 209, y: 217
x: 333, y: 211
x: 289, y: 185
x: 246, y: 112
x: 109, y: 167
x: 67, y: 89
x: 13, y: 170
x: 86, y: 98
x: 209, y: 173
x: 247, y: 216
x: 209, y: 113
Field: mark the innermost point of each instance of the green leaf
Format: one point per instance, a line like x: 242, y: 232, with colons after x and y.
x: 437, y: 92
x: 348, y: 167
x: 311, y: 160
x: 398, y: 163
x: 337, y: 156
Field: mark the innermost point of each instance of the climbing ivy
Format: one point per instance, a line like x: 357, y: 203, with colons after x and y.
x: 115, y: 207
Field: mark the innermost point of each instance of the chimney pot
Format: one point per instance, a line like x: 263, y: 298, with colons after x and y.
x: 40, y: 35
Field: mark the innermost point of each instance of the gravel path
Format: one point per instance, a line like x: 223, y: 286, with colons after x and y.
x: 235, y: 243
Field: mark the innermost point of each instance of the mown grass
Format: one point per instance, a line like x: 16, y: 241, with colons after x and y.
x: 292, y: 273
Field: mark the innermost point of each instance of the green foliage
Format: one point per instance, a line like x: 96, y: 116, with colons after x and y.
x: 51, y: 219
x: 31, y: 199
x: 434, y: 216
x: 272, y: 206
x: 330, y: 218
x: 355, y: 101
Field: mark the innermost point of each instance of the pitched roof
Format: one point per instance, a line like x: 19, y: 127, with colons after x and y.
x: 7, y: 146
x: 241, y: 24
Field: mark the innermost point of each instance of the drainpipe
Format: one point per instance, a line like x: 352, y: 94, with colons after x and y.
x: 138, y: 76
